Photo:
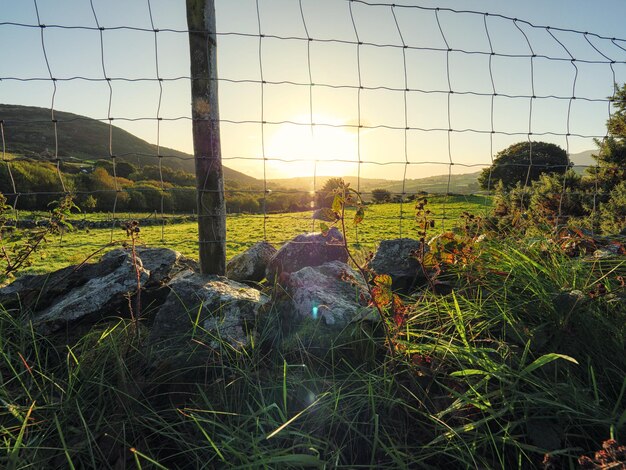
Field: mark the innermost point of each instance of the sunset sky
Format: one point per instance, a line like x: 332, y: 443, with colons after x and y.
x: 382, y: 108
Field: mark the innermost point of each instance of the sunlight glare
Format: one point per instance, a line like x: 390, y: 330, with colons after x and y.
x: 312, y: 149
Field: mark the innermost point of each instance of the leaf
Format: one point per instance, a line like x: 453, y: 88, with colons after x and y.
x: 324, y: 228
x: 398, y: 305
x: 429, y: 260
x: 383, y: 280
x: 325, y: 214
x: 358, y: 217
x: 337, y: 203
x: 381, y: 296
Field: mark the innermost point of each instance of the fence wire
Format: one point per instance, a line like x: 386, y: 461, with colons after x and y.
x: 609, y: 53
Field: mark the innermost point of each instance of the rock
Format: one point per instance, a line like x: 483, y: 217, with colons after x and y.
x: 32, y: 293
x: 162, y: 263
x: 393, y: 257
x: 566, y: 301
x: 102, y: 295
x: 251, y: 264
x: 92, y: 290
x: 323, y: 292
x: 206, y: 307
x: 311, y: 249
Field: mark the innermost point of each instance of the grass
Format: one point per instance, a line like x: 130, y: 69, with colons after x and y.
x: 243, y: 230
x: 523, y: 359
x: 494, y: 375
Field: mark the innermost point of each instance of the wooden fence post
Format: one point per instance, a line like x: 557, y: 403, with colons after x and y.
x: 206, y: 136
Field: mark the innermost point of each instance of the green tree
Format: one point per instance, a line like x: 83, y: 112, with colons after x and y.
x: 524, y: 162
x: 381, y: 195
x: 326, y: 195
x: 614, y: 210
x: 102, y: 184
x: 89, y: 204
x: 611, y: 157
x: 124, y: 169
x: 609, y: 174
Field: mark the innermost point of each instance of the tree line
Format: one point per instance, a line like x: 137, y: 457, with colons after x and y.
x: 101, y: 187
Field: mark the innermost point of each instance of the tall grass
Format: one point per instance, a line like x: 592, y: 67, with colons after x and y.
x: 503, y: 370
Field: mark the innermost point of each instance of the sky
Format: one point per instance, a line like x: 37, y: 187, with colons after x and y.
x: 328, y: 127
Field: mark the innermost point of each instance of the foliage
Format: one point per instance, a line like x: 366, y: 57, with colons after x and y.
x: 381, y: 195
x: 326, y: 195
x: 609, y: 174
x: 523, y: 163
x: 17, y: 249
x: 595, y: 201
x: 613, y: 212
x: 612, y: 455
x: 38, y: 183
x: 145, y: 189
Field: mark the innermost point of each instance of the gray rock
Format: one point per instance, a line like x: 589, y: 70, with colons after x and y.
x: 103, y: 294
x: 36, y: 292
x: 92, y: 290
x: 251, y: 264
x: 206, y: 307
x: 323, y: 292
x: 162, y: 263
x: 565, y: 302
x: 394, y: 257
x: 305, y: 250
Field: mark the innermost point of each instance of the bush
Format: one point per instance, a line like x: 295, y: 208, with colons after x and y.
x: 522, y: 163
x: 613, y: 212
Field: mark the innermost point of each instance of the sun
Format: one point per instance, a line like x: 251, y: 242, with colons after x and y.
x: 327, y: 148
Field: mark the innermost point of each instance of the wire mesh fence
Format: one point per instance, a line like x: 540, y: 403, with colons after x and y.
x: 400, y: 97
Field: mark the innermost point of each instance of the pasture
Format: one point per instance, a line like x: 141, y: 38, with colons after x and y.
x: 382, y: 221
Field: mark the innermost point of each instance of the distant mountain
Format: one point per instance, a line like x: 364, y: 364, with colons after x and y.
x: 29, y: 131
x: 462, y: 184
x: 582, y: 160
x: 306, y: 183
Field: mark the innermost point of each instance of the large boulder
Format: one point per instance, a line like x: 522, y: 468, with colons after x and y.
x: 100, y: 296
x: 333, y: 292
x: 35, y: 292
x: 90, y: 291
x: 312, y: 249
x: 163, y: 264
x: 397, y: 258
x: 206, y: 308
x: 250, y: 265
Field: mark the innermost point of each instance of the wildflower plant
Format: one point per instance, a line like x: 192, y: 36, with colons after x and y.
x: 18, y: 249
x: 389, y: 305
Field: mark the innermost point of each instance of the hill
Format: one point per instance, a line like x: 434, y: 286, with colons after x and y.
x: 28, y: 131
x: 461, y: 184
x: 582, y: 160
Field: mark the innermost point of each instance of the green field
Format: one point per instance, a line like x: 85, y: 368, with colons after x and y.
x: 382, y: 221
